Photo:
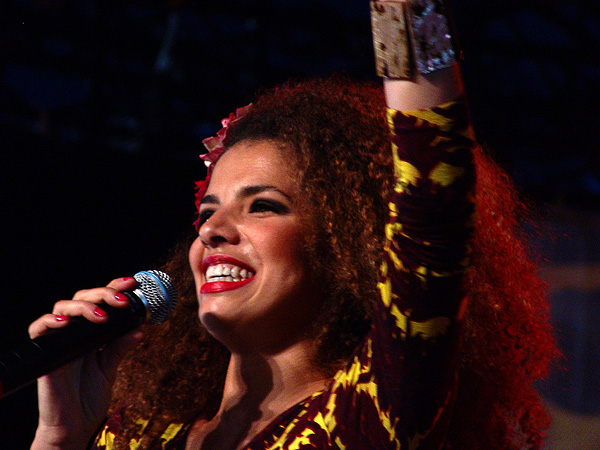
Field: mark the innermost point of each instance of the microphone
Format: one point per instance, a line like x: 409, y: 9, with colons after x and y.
x: 152, y: 300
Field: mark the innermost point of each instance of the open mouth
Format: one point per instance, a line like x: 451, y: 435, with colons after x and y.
x: 223, y: 273
x: 227, y: 272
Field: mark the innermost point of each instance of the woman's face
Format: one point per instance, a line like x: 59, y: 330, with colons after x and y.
x: 250, y: 263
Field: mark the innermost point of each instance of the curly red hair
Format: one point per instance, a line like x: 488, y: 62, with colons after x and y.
x: 337, y: 134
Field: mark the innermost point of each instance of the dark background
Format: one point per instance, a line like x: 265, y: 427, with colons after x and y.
x: 104, y: 104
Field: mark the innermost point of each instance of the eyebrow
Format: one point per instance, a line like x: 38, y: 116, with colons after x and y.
x: 246, y: 191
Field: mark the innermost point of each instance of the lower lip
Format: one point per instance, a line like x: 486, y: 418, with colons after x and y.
x: 222, y: 286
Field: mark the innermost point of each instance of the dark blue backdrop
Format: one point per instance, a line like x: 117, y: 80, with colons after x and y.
x: 103, y: 106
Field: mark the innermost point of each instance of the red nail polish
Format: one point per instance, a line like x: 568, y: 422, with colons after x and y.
x: 99, y: 312
x: 128, y: 278
x: 121, y: 297
x: 60, y: 318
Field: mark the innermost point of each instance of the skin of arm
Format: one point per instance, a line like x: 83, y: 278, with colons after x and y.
x: 426, y: 91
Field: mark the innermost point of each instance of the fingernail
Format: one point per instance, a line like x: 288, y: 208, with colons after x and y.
x: 121, y: 297
x: 99, y: 312
x: 128, y: 278
x: 60, y: 318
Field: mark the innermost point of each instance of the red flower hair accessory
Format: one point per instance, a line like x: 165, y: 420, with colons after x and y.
x: 214, y: 145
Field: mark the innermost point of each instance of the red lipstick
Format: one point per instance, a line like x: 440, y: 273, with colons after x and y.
x: 222, y: 286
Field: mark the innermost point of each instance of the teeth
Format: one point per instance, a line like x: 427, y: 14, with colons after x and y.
x: 227, y: 272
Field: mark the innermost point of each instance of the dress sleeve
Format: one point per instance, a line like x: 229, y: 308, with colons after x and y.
x: 399, y: 389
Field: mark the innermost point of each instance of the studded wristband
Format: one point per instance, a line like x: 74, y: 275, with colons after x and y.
x: 412, y: 36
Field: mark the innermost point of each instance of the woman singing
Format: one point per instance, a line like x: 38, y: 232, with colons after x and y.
x: 356, y: 281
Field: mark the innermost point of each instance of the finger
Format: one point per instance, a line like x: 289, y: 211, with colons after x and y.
x: 45, y: 323
x: 119, y: 299
x: 109, y: 294
x: 106, y: 295
x: 122, y: 284
x: 95, y: 295
x: 91, y: 311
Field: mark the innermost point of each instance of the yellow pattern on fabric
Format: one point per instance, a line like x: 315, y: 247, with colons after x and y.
x: 408, y: 174
x: 349, y: 379
x: 442, y: 174
x: 106, y: 438
x: 350, y: 376
x: 404, y: 172
x: 428, y: 329
x: 135, y: 442
x: 326, y: 424
x: 170, y: 433
x: 429, y: 115
x: 338, y: 442
x: 390, y: 115
x: 278, y: 444
x: 384, y: 416
x: 385, y: 288
x: 393, y: 229
x: 445, y: 174
x: 303, y: 439
x: 444, y: 122
x: 398, y: 264
x: 345, y: 380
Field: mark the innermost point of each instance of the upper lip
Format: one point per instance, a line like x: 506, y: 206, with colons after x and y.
x: 223, y: 259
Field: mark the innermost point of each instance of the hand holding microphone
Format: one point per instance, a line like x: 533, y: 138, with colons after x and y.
x: 75, y: 393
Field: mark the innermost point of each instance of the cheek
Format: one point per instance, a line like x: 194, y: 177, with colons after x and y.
x: 195, y: 256
x: 289, y: 248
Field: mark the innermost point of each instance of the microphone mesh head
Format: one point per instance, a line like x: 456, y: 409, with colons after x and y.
x: 158, y: 288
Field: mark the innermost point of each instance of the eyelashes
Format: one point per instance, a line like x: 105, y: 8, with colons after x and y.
x: 262, y: 205
x: 204, y: 215
x: 258, y: 206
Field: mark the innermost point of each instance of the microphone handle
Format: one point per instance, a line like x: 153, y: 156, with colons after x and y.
x: 36, y: 357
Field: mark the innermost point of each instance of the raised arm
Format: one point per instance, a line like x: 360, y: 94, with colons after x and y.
x: 404, y: 378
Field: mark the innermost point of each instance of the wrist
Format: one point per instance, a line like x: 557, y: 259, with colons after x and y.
x: 54, y: 438
x: 412, y: 37
x: 424, y: 91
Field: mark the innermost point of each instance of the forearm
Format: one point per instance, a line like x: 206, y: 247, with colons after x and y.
x: 49, y: 439
x: 425, y: 91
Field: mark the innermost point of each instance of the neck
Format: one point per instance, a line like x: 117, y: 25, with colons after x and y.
x: 272, y: 383
x: 258, y: 388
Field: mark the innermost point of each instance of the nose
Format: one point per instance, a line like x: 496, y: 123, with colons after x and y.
x: 221, y: 228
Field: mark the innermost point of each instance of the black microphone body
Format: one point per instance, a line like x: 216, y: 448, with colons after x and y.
x: 36, y: 357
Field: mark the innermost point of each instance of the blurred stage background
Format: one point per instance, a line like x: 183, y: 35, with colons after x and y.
x: 104, y: 104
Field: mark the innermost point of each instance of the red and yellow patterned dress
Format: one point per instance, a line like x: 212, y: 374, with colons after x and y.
x: 397, y: 391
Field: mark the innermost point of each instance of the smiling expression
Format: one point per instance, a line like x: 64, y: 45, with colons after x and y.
x: 250, y: 263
